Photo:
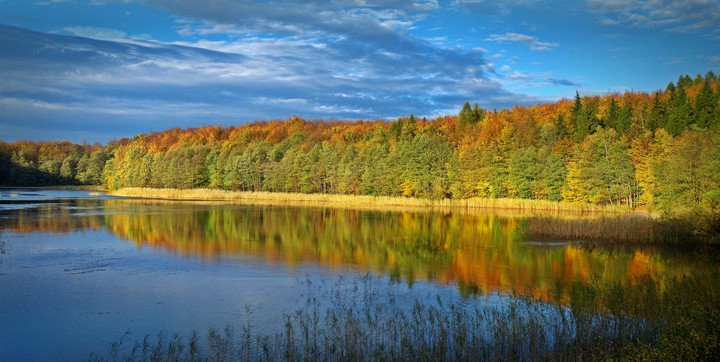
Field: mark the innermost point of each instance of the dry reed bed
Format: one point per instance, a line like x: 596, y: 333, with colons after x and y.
x: 613, y: 229
x: 357, y: 201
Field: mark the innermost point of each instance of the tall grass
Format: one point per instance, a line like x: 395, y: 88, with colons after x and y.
x: 613, y: 230
x: 669, y: 319
x: 357, y: 201
x: 5, y: 246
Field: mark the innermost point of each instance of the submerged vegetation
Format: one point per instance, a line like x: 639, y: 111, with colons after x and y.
x: 639, y: 319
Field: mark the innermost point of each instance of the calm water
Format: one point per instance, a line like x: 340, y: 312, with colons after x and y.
x: 78, y: 271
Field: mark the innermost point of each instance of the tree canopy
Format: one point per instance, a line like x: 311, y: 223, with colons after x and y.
x: 659, y: 150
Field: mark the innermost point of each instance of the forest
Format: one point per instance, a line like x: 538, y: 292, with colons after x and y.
x: 658, y: 151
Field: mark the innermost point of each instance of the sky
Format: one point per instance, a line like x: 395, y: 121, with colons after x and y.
x: 93, y: 71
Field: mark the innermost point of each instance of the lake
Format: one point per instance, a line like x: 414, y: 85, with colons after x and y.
x: 80, y: 270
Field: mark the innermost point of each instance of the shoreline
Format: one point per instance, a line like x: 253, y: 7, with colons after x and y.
x: 65, y: 187
x: 358, y: 201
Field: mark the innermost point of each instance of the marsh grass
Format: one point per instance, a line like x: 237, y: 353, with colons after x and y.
x: 4, y: 245
x: 643, y: 318
x: 5, y: 248
x: 612, y: 230
x: 357, y: 201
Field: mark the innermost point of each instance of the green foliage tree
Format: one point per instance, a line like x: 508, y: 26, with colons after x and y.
x: 686, y: 174
x: 522, y: 173
x: 470, y: 115
x: 466, y: 115
x: 679, y: 117
x: 619, y: 117
x: 658, y: 114
x: 705, y: 110
x: 585, y: 118
x: 601, y: 171
x: 523, y: 152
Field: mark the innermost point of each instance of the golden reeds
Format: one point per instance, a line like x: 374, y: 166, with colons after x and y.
x: 357, y: 201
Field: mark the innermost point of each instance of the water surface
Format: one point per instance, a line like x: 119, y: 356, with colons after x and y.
x: 78, y: 271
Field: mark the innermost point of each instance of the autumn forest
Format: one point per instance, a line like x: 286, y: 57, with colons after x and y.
x: 657, y: 151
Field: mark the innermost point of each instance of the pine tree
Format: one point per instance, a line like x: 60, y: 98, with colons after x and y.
x: 658, y: 116
x: 466, y: 116
x: 479, y: 114
x: 586, y: 120
x: 679, y: 113
x: 613, y: 117
x: 560, y: 128
x: 705, y: 111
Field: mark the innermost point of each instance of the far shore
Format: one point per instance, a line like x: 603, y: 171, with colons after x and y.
x: 359, y: 201
x: 65, y: 187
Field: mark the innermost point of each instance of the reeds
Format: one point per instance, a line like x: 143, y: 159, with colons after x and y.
x: 4, y: 244
x: 611, y: 230
x: 643, y: 318
x: 357, y: 201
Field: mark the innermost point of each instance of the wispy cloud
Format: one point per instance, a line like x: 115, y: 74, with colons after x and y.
x: 528, y: 40
x: 489, y: 6
x: 680, y: 16
x: 520, y: 79
x: 563, y: 82
x: 95, y: 32
x: 364, y: 69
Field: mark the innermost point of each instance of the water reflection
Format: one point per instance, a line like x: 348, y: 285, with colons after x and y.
x: 480, y: 253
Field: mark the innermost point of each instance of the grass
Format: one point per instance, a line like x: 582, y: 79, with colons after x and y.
x: 4, y: 244
x: 612, y: 230
x: 356, y: 201
x: 639, y: 319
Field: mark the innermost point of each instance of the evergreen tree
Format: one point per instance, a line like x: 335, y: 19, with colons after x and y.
x: 658, y: 114
x: 680, y: 113
x: 586, y: 120
x: 466, y: 116
x: 577, y: 105
x: 560, y: 127
x: 705, y: 111
x: 624, y: 118
x: 613, y: 117
x: 479, y: 114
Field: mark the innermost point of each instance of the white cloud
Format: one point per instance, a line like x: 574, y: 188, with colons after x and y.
x: 240, y: 61
x: 95, y: 32
x: 528, y: 40
x: 680, y: 16
x: 491, y: 6
x: 154, y: 86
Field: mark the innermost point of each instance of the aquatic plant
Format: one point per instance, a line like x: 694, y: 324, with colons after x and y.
x: 643, y: 318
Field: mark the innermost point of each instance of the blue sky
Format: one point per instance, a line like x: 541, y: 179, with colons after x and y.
x: 102, y: 69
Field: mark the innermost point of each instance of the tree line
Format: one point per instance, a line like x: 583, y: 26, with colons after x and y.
x: 27, y: 163
x: 660, y: 151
